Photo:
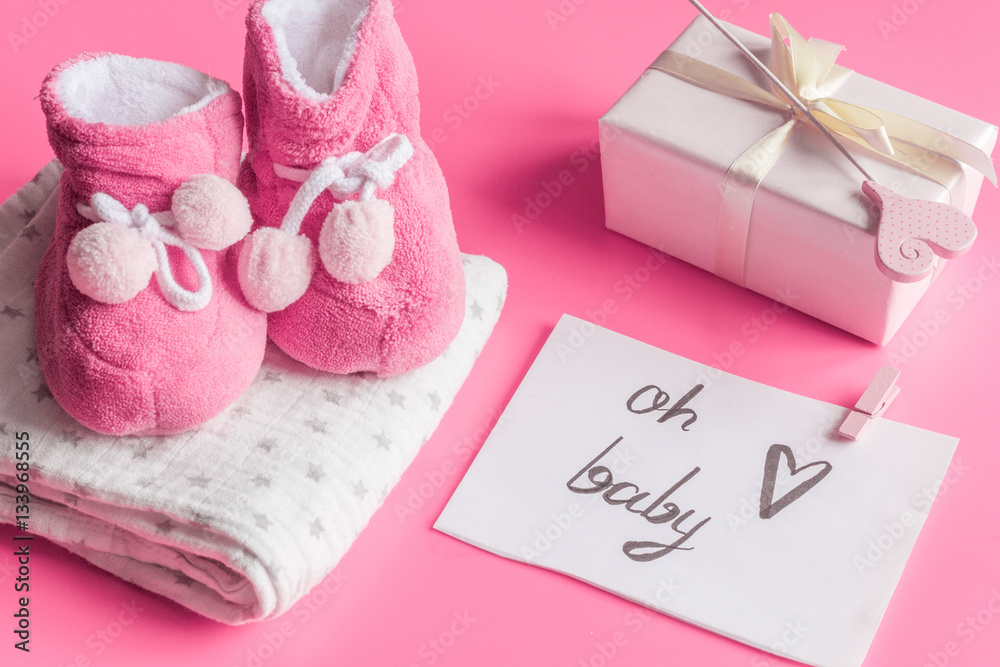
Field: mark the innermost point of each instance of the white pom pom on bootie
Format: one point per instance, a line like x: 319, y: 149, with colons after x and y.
x: 357, y: 240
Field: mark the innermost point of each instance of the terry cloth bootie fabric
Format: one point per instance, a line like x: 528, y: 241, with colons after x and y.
x: 150, y: 151
x: 297, y: 465
x: 357, y: 264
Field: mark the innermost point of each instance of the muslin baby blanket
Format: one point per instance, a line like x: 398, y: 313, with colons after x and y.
x: 240, y: 518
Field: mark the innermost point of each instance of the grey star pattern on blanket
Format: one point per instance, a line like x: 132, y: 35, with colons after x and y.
x: 240, y: 518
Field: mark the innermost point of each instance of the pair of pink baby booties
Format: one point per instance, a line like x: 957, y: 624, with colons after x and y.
x: 352, y: 252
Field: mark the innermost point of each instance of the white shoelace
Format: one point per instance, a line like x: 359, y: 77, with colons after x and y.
x: 154, y: 228
x: 345, y: 175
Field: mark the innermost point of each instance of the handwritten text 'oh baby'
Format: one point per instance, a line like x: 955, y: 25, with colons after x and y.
x: 600, y: 479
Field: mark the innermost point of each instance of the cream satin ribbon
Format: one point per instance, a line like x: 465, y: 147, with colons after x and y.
x: 809, y: 70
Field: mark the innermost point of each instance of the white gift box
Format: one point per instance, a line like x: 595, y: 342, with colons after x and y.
x: 810, y: 233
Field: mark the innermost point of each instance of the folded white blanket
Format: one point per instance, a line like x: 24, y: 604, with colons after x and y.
x: 240, y: 518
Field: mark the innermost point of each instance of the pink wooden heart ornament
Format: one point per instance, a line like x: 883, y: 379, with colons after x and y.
x: 912, y: 231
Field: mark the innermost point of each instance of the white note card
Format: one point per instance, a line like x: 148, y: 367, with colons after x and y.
x: 725, y: 503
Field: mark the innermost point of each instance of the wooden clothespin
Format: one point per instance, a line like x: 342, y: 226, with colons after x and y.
x: 879, y: 395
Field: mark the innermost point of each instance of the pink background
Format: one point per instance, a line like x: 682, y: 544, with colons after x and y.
x: 396, y: 597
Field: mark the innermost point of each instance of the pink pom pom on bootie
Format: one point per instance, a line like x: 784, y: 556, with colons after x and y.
x: 110, y: 263
x: 211, y: 212
x: 356, y: 241
x: 275, y: 268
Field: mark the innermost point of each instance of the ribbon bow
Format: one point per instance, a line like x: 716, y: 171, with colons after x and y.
x: 356, y: 240
x: 112, y: 260
x: 153, y: 227
x: 809, y: 70
x: 345, y: 175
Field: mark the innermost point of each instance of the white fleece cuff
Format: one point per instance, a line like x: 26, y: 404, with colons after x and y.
x: 121, y: 90
x: 315, y: 41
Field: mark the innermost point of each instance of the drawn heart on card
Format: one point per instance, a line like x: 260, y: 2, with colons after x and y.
x: 768, y: 506
x: 912, y: 231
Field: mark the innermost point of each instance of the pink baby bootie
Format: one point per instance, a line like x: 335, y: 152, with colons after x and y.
x: 353, y: 255
x: 150, y: 150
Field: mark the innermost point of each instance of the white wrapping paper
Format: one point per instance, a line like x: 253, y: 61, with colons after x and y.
x: 669, y: 143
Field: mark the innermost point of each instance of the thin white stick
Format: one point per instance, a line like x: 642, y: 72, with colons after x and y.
x: 789, y: 95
